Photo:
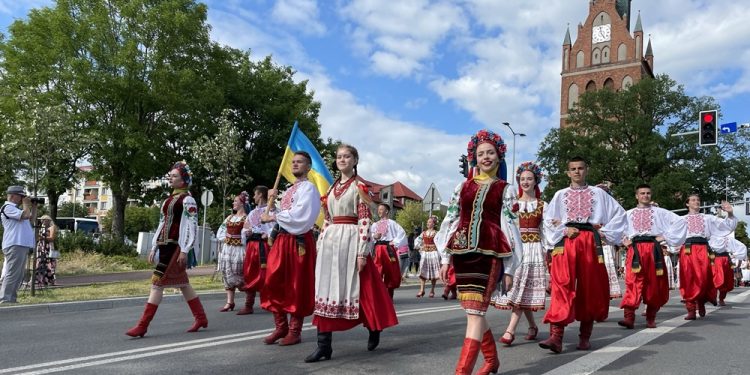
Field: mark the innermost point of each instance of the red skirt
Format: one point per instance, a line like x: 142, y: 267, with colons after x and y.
x: 451, y: 282
x: 175, y: 276
x: 253, y: 269
x: 376, y: 311
x: 386, y: 261
x: 290, y: 276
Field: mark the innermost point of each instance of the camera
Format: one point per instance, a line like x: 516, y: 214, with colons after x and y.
x: 35, y: 200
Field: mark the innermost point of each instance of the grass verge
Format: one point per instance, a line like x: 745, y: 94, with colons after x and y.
x: 120, y: 289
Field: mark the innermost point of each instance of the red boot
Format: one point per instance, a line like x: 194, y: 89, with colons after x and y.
x: 629, y: 318
x: 295, y: 329
x: 651, y: 316
x: 690, y: 306
x: 584, y: 335
x: 554, y: 342
x: 200, y: 316
x: 489, y: 351
x: 468, y: 357
x: 249, y: 302
x: 282, y: 328
x: 140, y: 329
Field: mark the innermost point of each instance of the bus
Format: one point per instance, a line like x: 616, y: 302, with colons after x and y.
x: 78, y: 224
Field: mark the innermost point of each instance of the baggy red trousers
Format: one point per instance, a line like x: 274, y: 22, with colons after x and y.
x: 290, y: 276
x: 723, y: 275
x: 579, y: 283
x: 645, y: 285
x: 696, y: 276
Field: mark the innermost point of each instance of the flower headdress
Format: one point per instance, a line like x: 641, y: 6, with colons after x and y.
x: 245, y: 200
x: 487, y: 136
x: 538, y: 175
x: 185, y: 173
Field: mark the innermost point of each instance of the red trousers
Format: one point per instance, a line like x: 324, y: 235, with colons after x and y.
x: 290, y: 276
x: 388, y: 268
x: 645, y: 285
x: 696, y: 281
x: 254, y: 273
x: 376, y: 311
x: 579, y: 283
x: 723, y: 274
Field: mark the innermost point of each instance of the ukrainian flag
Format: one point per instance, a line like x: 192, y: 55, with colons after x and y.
x: 318, y: 175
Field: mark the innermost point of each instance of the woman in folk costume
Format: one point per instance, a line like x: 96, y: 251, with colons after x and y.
x: 528, y: 293
x: 478, y: 235
x: 429, y: 262
x: 609, y: 256
x: 232, y: 255
x: 174, y: 239
x: 348, y: 289
x: 256, y: 249
x: 390, y: 241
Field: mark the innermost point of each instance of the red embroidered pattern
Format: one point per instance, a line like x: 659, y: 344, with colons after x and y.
x: 332, y: 309
x: 339, y: 188
x: 579, y: 204
x: 643, y: 219
x: 363, y: 211
x: 288, y: 198
x: 381, y: 226
x: 695, y: 224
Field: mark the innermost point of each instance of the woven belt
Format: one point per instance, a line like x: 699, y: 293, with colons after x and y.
x: 345, y: 220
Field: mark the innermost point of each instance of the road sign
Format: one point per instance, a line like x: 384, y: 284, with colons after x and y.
x: 207, y: 198
x: 432, y: 199
x: 727, y: 128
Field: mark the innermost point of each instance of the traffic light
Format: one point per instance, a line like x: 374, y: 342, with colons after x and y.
x: 464, y: 165
x: 708, y: 129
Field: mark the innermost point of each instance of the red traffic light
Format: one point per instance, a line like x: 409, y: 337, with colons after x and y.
x: 708, y: 117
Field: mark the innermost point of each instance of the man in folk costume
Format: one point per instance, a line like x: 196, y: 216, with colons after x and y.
x: 290, y: 274
x: 174, y: 239
x: 650, y: 230
x: 256, y: 249
x: 725, y: 248
x: 577, y: 219
x: 390, y: 240
x: 704, y: 233
x: 480, y: 237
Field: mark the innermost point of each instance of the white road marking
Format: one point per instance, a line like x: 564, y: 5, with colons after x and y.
x: 597, y: 359
x: 150, y: 351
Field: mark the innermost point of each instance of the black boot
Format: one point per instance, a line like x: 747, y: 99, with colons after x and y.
x: 324, y: 350
x: 373, y: 340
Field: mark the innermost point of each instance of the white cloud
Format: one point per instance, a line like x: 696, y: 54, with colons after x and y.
x: 302, y: 15
x: 401, y: 35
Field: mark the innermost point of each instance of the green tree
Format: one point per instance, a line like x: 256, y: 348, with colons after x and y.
x: 741, y: 233
x: 139, y: 73
x: 70, y: 209
x: 137, y: 219
x: 626, y: 137
x: 413, y: 216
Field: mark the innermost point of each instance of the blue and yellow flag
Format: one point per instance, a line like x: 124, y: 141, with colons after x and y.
x: 318, y: 175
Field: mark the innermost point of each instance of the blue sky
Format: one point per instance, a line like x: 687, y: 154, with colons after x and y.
x: 407, y: 82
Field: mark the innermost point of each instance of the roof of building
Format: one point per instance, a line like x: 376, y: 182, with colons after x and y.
x: 399, y: 191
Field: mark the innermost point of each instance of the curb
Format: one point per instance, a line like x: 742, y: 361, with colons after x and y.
x: 112, y: 303
x: 100, y: 304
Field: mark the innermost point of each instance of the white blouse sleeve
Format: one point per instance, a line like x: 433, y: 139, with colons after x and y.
x: 737, y: 249
x: 676, y: 228
x: 615, y: 220
x: 554, y: 211
x: 449, y: 225
x: 510, y: 230
x: 397, y: 233
x: 305, y: 209
x: 418, y: 242
x: 221, y: 233
x: 188, y: 224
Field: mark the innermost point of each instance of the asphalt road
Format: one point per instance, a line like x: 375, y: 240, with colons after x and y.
x: 427, y: 341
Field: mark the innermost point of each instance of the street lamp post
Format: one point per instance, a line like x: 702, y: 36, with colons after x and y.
x: 513, y: 171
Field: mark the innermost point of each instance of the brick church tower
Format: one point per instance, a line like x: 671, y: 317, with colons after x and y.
x: 605, y: 53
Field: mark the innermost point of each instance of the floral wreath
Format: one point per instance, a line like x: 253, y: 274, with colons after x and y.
x: 483, y: 136
x: 185, y: 173
x: 538, y: 175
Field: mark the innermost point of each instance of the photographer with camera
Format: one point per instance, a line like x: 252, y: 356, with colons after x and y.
x: 18, y: 240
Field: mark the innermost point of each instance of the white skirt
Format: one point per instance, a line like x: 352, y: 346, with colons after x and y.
x: 429, y: 265
x: 231, y: 260
x: 529, y: 289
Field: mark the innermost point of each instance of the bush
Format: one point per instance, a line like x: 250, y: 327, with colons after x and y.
x: 79, y: 262
x: 80, y: 241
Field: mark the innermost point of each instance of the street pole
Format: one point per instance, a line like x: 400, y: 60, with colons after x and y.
x: 513, y: 171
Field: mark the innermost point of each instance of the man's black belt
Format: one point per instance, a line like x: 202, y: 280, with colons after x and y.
x: 635, y: 266
x: 391, y: 251
x: 597, y: 237
x: 258, y: 237
x: 695, y: 240
x: 722, y: 255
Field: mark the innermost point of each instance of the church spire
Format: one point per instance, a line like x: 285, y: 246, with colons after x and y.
x: 638, y: 26
x: 566, y: 42
x: 649, y: 51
